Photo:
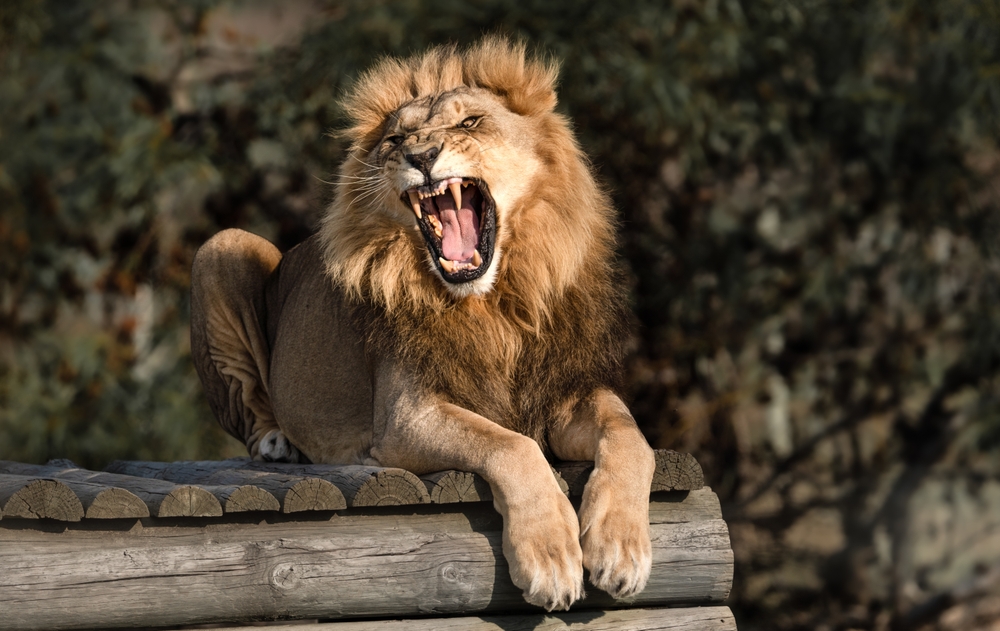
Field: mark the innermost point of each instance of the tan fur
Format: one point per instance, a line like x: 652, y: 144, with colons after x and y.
x: 374, y: 357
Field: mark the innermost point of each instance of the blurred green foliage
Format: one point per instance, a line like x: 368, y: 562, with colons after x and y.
x: 810, y: 199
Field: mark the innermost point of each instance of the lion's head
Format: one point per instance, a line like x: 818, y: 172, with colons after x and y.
x: 463, y: 183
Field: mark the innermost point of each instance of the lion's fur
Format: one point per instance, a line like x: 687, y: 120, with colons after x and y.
x: 552, y: 325
x: 355, y: 348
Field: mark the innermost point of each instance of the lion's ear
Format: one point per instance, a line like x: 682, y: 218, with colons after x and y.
x: 504, y: 68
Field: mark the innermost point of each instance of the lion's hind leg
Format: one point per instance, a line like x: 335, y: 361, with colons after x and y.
x: 228, y: 343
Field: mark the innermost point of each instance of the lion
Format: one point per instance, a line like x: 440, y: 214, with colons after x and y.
x: 458, y: 308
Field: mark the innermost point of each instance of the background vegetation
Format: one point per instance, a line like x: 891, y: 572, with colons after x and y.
x: 810, y: 197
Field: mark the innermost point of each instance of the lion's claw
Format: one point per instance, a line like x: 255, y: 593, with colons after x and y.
x: 616, y: 546
x: 544, y: 553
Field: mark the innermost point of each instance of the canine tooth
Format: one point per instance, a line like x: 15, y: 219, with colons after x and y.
x: 415, y: 204
x: 447, y: 265
x: 477, y: 259
x: 456, y: 193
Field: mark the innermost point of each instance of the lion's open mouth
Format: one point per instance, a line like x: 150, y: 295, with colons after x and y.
x: 458, y: 220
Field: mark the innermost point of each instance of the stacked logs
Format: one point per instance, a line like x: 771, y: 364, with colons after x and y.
x: 62, y: 491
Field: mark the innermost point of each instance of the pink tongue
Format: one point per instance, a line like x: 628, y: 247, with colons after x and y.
x: 458, y: 233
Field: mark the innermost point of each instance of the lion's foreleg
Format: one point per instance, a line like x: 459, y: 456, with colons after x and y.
x: 614, y: 513
x: 228, y: 345
x: 540, y: 532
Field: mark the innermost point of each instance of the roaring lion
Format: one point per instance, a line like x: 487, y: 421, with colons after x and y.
x: 457, y: 309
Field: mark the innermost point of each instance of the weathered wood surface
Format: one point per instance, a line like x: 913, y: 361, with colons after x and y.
x: 449, y: 487
x: 674, y: 472
x: 162, y: 499
x: 99, y: 501
x: 291, y: 493
x: 29, y: 497
x: 359, y: 485
x: 374, y: 563
x: 688, y: 619
x: 203, y: 489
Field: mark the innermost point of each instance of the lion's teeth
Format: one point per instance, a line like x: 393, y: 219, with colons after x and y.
x: 456, y: 193
x: 415, y: 203
x: 448, y: 266
x: 477, y: 259
x: 436, y: 224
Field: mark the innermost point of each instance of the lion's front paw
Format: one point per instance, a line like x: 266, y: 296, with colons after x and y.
x: 615, y: 532
x: 275, y: 447
x: 543, y: 550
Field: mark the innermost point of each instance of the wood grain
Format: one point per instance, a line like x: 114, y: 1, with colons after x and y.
x: 676, y: 471
x: 355, y: 565
x: 360, y: 485
x: 689, y: 619
x: 130, y: 489
x: 98, y: 501
x: 33, y: 498
x: 449, y: 487
x: 293, y: 493
x: 162, y: 499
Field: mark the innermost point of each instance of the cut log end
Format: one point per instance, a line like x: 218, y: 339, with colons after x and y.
x: 250, y: 498
x: 189, y: 501
x: 677, y: 472
x: 313, y: 494
x: 450, y: 487
x: 391, y: 487
x: 39, y: 499
x: 117, y: 504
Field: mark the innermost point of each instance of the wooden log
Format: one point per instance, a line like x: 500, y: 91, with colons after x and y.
x: 234, y: 496
x: 311, y: 494
x: 162, y: 499
x: 376, y: 486
x: 292, y: 493
x: 383, y: 564
x: 674, y: 472
x: 99, y: 501
x: 34, y: 498
x: 360, y: 485
x: 677, y: 472
x: 448, y: 487
x: 689, y: 619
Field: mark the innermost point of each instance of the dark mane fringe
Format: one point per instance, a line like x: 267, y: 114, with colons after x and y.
x: 477, y: 355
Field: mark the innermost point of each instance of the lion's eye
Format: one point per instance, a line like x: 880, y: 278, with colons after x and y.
x: 394, y: 140
x: 470, y: 122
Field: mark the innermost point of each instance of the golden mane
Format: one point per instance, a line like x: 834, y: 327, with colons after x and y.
x: 565, y: 227
x: 553, y: 322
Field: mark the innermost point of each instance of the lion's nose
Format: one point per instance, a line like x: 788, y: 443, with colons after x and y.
x: 424, y: 160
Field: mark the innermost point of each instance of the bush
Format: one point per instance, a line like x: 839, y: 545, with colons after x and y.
x: 809, y: 193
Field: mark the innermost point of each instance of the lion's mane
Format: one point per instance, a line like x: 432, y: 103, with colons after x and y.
x: 553, y: 324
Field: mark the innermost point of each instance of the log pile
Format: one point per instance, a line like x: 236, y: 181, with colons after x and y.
x: 152, y: 544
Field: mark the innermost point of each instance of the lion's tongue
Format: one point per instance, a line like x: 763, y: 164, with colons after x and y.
x: 459, y: 233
